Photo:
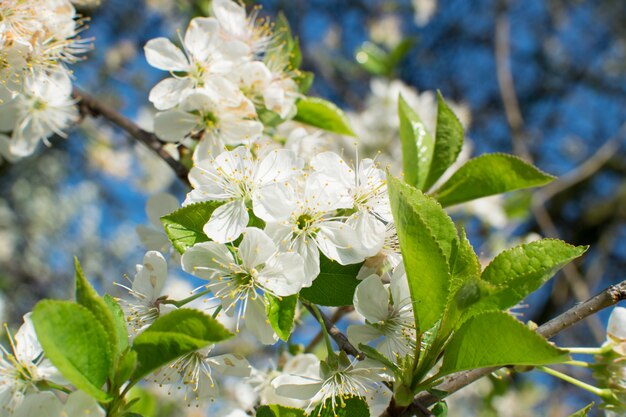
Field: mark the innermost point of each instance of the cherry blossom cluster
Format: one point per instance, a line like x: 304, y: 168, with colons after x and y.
x: 228, y: 69
x: 37, y: 42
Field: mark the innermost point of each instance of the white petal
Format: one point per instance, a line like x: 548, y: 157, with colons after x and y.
x: 169, y: 92
x: 616, y: 327
x: 362, y: 333
x: 41, y: 404
x: 152, y: 239
x: 370, y: 232
x: 28, y: 347
x: 200, y: 36
x: 338, y: 242
x: 227, y: 222
x: 257, y: 323
x: 174, y: 125
x: 163, y: 54
x: 283, y: 274
x: 255, y: 248
x: 160, y: 205
x: 371, y: 299
x: 207, y: 260
x: 232, y: 16
x: 278, y: 165
x: 151, y: 276
x: 230, y: 365
x: 333, y: 166
x: 295, y: 386
x: 235, y: 130
x: 400, y: 292
x: 8, y: 115
x: 274, y: 202
x: 80, y: 404
x: 307, y: 248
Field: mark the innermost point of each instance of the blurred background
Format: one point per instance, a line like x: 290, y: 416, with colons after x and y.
x: 544, y: 79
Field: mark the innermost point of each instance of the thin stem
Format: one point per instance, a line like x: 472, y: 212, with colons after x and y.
x: 49, y: 385
x: 602, y: 393
x: 581, y: 364
x: 217, y: 311
x: 340, y: 338
x: 187, y: 300
x: 589, y: 350
x: 329, y: 347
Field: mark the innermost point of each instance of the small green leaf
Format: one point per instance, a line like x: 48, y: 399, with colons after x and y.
x: 276, y: 410
x: 497, y: 339
x: 518, y: 272
x: 76, y: 343
x: 346, y: 407
x: 280, y: 312
x: 323, y: 114
x: 417, y: 146
x: 440, y: 409
x: 125, y: 367
x: 372, y: 353
x: 173, y: 335
x: 87, y: 296
x: 583, y: 412
x: 191, y: 323
x: 427, y: 237
x: 184, y: 226
x: 119, y: 322
x: 448, y: 141
x: 144, y: 402
x: 487, y: 175
x: 334, y: 286
x: 373, y: 59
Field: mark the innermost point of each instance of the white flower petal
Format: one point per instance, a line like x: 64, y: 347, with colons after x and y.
x: 151, y: 276
x: 28, y: 347
x: 257, y: 323
x: 295, y: 386
x: 160, y: 205
x: 200, y: 36
x: 616, y: 327
x: 164, y: 55
x: 207, y: 260
x: 283, y: 274
x: 174, y: 125
x: 370, y: 232
x: 169, y: 92
x: 371, y: 299
x: 80, y: 404
x: 338, y: 242
x: 255, y: 248
x: 230, y: 365
x: 227, y: 222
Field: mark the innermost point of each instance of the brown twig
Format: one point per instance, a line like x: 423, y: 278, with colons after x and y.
x: 340, y: 338
x: 337, y: 315
x: 610, y: 296
x: 91, y: 106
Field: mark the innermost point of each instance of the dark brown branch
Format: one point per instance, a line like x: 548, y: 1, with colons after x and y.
x: 610, y: 296
x: 340, y: 338
x: 91, y: 106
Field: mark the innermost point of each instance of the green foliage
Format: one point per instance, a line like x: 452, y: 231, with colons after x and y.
x: 334, y: 286
x: 448, y: 141
x: 184, y: 226
x: 417, y: 146
x: 514, y: 274
x: 427, y: 237
x: 276, y: 410
x: 171, y: 336
x: 89, y: 298
x: 378, y: 61
x: 487, y: 175
x: 583, y: 412
x: 347, y: 407
x: 119, y: 322
x: 280, y: 313
x: 497, y: 339
x: 323, y: 114
x: 440, y: 409
x: 75, y: 341
x: 143, y: 402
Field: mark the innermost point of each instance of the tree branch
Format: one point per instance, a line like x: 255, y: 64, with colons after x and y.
x: 610, y: 296
x: 91, y: 106
x: 337, y: 315
x: 340, y: 338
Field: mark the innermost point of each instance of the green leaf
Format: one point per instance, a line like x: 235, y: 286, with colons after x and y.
x: 334, y: 286
x: 440, y: 409
x: 448, y: 141
x: 488, y: 175
x: 583, y: 412
x: 346, y: 407
x: 497, y: 339
x: 145, y: 403
x: 184, y: 226
x: 427, y: 237
x: 280, y: 312
x: 87, y: 296
x: 125, y: 367
x: 323, y: 114
x: 76, y: 343
x: 372, y: 353
x: 173, y: 335
x: 373, y: 59
x: 276, y: 410
x: 417, y: 146
x: 518, y: 272
x: 119, y: 322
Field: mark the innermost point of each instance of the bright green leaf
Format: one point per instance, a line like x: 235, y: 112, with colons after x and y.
x: 488, y: 175
x: 87, y: 296
x: 192, y: 323
x: 497, y: 339
x: 417, y: 146
x: 518, y: 272
x: 440, y: 409
x: 583, y: 412
x: 323, y: 114
x: 184, y: 226
x: 354, y: 407
x: 119, y: 322
x: 334, y: 286
x: 427, y: 237
x: 448, y: 141
x: 125, y: 367
x: 281, y: 312
x: 76, y: 343
x: 373, y: 59
x: 173, y: 335
x: 276, y: 410
x: 145, y: 403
